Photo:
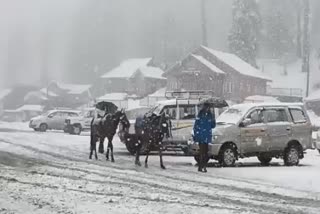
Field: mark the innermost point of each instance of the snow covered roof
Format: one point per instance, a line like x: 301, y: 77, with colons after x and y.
x: 151, y: 72
x: 248, y: 106
x: 113, y: 97
x: 38, y: 94
x: 74, y: 88
x: 160, y: 93
x: 238, y: 64
x: 315, y: 96
x: 127, y: 68
x: 37, y: 108
x: 211, y: 66
x: 4, y: 93
x: 260, y: 99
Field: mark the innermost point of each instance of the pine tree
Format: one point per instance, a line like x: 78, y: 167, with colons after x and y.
x: 278, y: 36
x: 245, y: 32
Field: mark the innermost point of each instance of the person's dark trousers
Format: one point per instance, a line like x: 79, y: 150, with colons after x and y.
x: 203, y: 150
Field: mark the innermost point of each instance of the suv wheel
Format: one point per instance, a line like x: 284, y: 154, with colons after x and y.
x: 291, y: 156
x: 228, y: 156
x: 43, y: 127
x: 319, y: 150
x: 265, y: 160
x: 76, y: 129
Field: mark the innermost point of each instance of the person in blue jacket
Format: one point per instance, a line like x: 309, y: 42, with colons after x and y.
x: 202, y: 132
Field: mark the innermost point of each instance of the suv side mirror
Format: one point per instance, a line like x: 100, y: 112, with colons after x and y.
x: 50, y: 116
x: 246, y: 122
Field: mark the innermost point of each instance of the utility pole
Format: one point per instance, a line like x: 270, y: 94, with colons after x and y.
x: 204, y: 23
x: 298, y: 7
x: 306, y: 43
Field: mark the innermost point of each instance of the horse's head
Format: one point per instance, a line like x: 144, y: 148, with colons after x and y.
x: 121, y: 117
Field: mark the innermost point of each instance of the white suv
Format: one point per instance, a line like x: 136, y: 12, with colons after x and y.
x: 53, y: 119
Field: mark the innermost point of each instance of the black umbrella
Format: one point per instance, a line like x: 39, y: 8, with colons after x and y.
x: 108, y: 107
x: 214, y: 102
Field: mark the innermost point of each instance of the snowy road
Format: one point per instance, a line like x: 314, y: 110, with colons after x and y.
x: 51, y: 173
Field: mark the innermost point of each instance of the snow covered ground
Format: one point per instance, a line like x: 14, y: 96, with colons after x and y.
x: 51, y: 173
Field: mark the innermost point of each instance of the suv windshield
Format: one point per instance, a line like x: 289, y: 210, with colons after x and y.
x: 230, y: 116
x: 157, y: 109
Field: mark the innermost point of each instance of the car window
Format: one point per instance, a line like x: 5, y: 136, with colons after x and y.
x: 62, y: 114
x: 54, y: 114
x: 187, y: 112
x: 298, y: 116
x: 171, y: 111
x: 256, y: 116
x: 275, y: 115
x: 90, y: 114
x: 72, y: 114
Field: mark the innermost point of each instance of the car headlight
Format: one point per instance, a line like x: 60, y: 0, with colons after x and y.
x: 215, y: 137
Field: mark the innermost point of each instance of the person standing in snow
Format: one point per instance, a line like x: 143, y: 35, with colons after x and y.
x: 202, y: 131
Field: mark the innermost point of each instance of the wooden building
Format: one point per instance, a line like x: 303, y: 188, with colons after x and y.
x: 133, y: 76
x: 226, y: 74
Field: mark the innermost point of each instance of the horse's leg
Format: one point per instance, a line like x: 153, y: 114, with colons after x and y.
x: 138, y: 146
x: 147, y: 155
x: 160, y: 155
x: 107, y: 153
x: 101, y: 146
x: 111, y: 148
x: 95, y: 150
x: 91, y: 146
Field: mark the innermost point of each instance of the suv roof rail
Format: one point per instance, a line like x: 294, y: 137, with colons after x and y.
x: 62, y: 108
x: 193, y: 94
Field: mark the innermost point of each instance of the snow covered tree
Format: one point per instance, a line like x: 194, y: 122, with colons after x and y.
x: 278, y: 34
x: 245, y: 31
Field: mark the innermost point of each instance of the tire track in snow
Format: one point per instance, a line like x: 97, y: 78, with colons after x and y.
x: 228, y: 200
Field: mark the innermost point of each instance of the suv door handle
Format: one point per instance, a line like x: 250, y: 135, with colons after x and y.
x: 263, y: 130
x: 288, y: 129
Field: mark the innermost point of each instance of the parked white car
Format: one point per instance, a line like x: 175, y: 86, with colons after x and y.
x: 53, y: 119
x: 75, y: 125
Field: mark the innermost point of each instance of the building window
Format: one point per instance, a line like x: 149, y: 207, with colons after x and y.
x: 230, y: 88
x: 249, y: 87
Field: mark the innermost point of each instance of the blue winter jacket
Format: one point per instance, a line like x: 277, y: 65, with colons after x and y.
x: 202, y: 130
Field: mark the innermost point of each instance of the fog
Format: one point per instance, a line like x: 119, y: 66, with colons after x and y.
x: 34, y: 36
x: 76, y: 40
x: 45, y: 39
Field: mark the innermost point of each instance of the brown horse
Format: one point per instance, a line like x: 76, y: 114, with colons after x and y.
x: 106, y: 127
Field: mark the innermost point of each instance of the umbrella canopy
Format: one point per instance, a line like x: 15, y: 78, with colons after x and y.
x: 108, y: 107
x: 214, y: 102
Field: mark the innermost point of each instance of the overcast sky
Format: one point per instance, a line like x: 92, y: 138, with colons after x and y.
x: 63, y: 37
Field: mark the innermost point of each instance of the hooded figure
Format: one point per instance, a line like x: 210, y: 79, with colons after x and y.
x: 202, y: 131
